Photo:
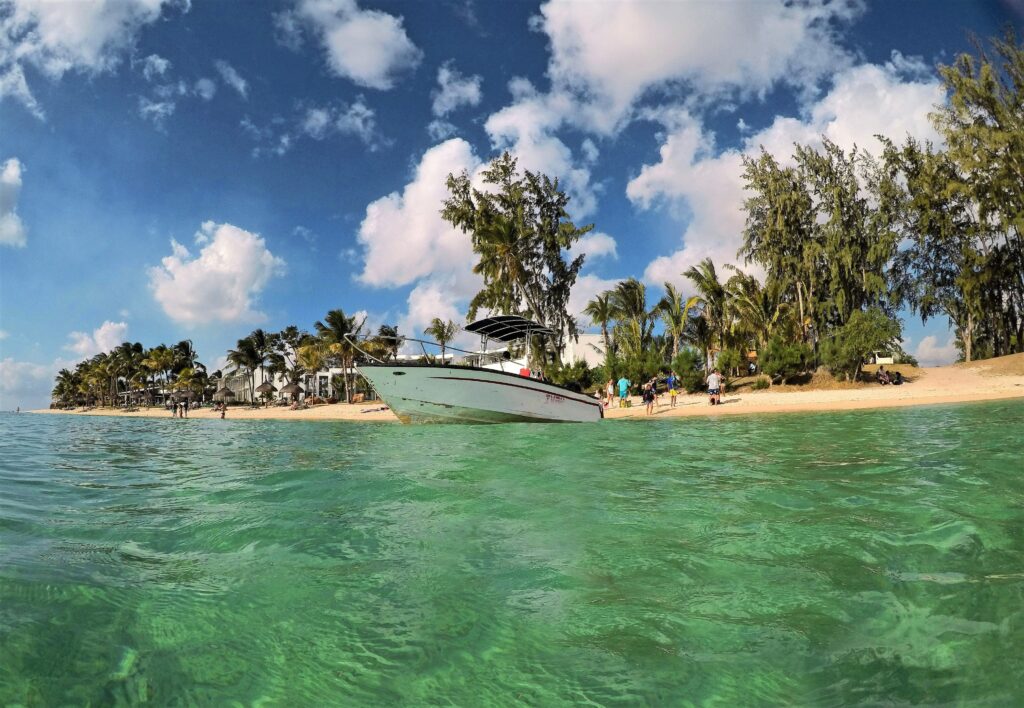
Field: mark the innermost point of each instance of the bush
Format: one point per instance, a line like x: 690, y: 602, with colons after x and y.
x: 782, y: 359
x: 576, y: 376
x: 729, y: 361
x: 761, y: 383
x: 866, y: 331
x: 689, y: 366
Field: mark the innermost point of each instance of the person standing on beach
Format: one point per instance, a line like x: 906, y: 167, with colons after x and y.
x: 609, y: 391
x: 184, y: 408
x: 714, y: 382
x: 623, y: 391
x: 649, y: 397
x: 174, y: 410
x: 223, y: 410
x: 672, y: 382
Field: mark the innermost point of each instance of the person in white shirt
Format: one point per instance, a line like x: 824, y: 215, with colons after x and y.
x: 714, y: 382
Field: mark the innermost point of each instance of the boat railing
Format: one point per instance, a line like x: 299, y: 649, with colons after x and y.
x: 400, y: 340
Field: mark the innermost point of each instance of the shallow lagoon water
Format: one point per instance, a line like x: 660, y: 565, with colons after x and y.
x: 819, y: 559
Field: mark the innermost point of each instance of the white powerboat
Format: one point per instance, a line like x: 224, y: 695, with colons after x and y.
x: 481, y: 391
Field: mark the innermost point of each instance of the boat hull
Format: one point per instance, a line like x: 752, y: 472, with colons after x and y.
x: 460, y: 394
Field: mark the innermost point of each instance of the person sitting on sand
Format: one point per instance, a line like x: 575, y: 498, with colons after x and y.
x: 714, y: 381
x: 881, y: 376
x: 897, y: 379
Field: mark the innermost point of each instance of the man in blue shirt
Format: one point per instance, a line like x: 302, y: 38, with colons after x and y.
x: 623, y: 391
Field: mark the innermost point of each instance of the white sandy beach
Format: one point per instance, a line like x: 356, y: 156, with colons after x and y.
x: 979, y: 381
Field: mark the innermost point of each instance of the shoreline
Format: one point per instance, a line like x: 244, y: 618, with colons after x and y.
x: 989, y: 380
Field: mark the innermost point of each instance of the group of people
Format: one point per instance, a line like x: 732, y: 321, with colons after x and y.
x: 650, y: 395
x: 179, y: 410
x: 885, y: 378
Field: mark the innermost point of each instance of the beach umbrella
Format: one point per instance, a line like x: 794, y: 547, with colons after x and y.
x: 292, y: 389
x: 265, y: 387
x: 223, y: 394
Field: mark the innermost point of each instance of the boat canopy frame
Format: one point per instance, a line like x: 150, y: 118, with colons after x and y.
x: 503, y: 328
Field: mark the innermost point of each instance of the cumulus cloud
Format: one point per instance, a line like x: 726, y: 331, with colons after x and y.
x: 369, y: 47
x: 232, y: 78
x: 28, y: 384
x: 406, y: 242
x: 102, y: 339
x: 595, y: 245
x: 455, y: 90
x: 205, y: 88
x: 58, y: 37
x: 610, y: 54
x: 222, y: 283
x: 12, y: 230
x: 930, y: 353
x: 527, y: 127
x: 694, y: 174
x: 155, y: 66
x: 403, y: 235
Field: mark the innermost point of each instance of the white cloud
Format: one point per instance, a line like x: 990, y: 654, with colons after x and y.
x: 58, y: 37
x: 406, y: 242
x: 23, y: 383
x: 454, y: 90
x: 356, y: 119
x: 403, y: 235
x: 13, y: 85
x: 222, y: 283
x: 154, y: 66
x: 12, y: 230
x: 4, y: 334
x: 232, y: 78
x: 693, y: 173
x: 156, y: 111
x: 527, y: 128
x: 586, y: 288
x: 368, y: 47
x: 595, y: 245
x: 205, y: 88
x: 439, y: 129
x: 608, y: 54
x: 102, y: 339
x: 930, y: 353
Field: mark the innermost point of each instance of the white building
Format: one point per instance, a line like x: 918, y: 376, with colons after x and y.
x: 589, y: 348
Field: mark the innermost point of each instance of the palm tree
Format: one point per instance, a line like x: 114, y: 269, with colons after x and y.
x: 600, y: 312
x: 675, y: 314
x: 332, y: 331
x: 245, y: 359
x: 713, y: 298
x: 503, y: 250
x: 628, y: 303
x: 442, y: 332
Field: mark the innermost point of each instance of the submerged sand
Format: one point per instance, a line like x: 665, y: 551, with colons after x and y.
x: 993, y: 379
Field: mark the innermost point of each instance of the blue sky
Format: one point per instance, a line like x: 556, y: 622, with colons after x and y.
x: 295, y: 152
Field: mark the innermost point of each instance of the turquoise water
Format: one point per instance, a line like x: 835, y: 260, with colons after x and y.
x: 859, y: 558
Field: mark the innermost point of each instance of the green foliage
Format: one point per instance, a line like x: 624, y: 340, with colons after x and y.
x: 576, y: 376
x: 782, y: 359
x: 520, y: 230
x: 689, y: 366
x: 761, y: 383
x: 866, y: 331
x: 729, y: 361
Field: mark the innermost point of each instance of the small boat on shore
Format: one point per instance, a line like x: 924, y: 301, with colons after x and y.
x: 504, y: 390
